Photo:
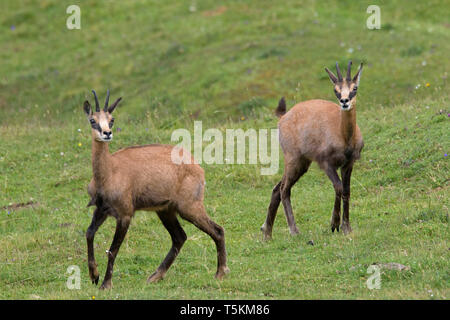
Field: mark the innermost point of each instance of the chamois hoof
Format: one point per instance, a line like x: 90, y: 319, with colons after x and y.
x: 222, y: 272
x: 106, y: 285
x: 266, y: 234
x: 267, y: 237
x: 334, y: 228
x: 346, y: 229
x: 93, y: 274
x: 335, y: 222
x: 294, y: 231
x: 156, y: 276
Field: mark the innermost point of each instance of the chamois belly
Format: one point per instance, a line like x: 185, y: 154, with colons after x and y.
x: 337, y: 157
x: 150, y: 205
x: 108, y: 205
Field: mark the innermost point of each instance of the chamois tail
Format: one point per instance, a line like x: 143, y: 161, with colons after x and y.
x: 281, y: 109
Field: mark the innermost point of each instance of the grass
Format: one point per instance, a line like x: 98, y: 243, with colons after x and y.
x: 225, y: 64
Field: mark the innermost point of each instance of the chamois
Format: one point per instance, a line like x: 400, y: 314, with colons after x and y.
x: 321, y: 131
x: 143, y: 178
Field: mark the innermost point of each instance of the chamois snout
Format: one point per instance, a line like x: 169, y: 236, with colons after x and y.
x: 106, y: 136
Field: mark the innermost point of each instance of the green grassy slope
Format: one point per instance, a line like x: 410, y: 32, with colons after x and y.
x: 225, y: 64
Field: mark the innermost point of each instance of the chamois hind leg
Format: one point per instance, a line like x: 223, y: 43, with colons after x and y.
x: 195, y: 213
x: 122, y: 224
x: 98, y: 218
x: 271, y: 212
x: 346, y: 173
x: 292, y: 172
x: 337, y: 184
x: 170, y: 222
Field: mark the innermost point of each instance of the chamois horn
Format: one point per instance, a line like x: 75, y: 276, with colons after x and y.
x: 105, y: 108
x: 97, y: 105
x: 338, y: 71
x: 349, y: 70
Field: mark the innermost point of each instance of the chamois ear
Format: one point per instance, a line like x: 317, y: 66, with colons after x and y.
x: 87, y: 108
x: 357, y: 76
x: 114, y: 105
x: 333, y: 78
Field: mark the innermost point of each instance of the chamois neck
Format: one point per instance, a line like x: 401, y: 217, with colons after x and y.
x: 101, y: 159
x: 348, y: 125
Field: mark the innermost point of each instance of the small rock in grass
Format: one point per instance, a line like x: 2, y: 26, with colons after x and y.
x: 394, y: 266
x: 311, y: 242
x: 352, y: 268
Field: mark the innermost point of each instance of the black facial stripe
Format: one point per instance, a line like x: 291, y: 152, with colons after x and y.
x: 111, y: 123
x: 96, y: 126
x: 338, y: 94
x: 351, y: 95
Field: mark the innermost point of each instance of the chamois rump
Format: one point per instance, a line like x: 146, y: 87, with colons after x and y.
x: 143, y: 178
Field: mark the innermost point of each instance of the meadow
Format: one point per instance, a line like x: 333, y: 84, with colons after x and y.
x: 225, y: 63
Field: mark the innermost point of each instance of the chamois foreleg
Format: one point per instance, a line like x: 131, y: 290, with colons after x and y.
x: 337, y: 184
x: 170, y: 222
x: 98, y: 218
x: 346, y: 173
x: 122, y: 224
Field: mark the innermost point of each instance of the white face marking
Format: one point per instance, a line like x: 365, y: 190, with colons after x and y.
x: 345, y: 92
x: 104, y: 124
x: 103, y: 137
x: 348, y: 108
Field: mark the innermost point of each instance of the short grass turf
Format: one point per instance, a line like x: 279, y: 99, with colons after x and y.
x: 225, y: 64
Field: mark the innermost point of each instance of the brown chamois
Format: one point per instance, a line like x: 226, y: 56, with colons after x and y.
x: 321, y: 131
x: 143, y: 178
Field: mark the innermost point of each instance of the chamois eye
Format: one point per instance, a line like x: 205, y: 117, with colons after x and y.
x: 92, y: 121
x: 355, y: 88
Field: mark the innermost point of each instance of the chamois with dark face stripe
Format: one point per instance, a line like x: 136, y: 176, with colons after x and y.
x: 324, y: 132
x: 144, y: 178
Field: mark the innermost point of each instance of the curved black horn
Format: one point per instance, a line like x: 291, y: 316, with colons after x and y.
x: 349, y: 70
x: 106, y: 101
x: 97, y: 105
x: 338, y: 71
